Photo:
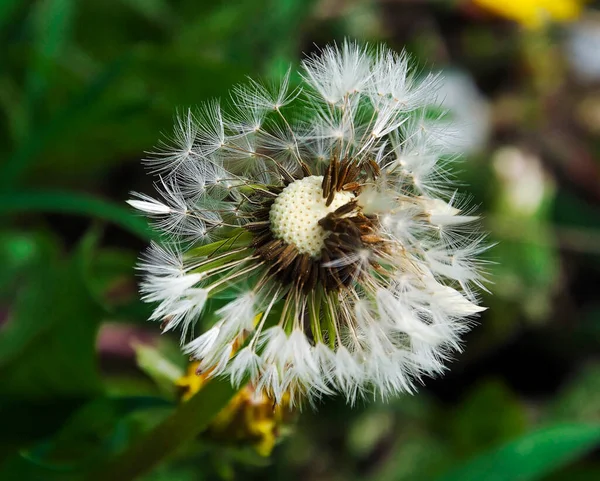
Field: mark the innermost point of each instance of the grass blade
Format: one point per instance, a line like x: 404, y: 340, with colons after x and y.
x: 530, y: 457
x: 75, y: 203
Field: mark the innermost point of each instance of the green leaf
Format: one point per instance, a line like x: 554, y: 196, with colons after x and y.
x: 93, y: 433
x: 51, y: 27
x: 531, y: 456
x: 74, y: 203
x: 580, y: 399
x: 158, y: 11
x: 585, y: 472
x: 471, y: 429
x: 7, y: 8
x: 27, y: 420
x: 414, y: 454
x: 20, y: 253
x: 112, y: 277
x: 114, y: 285
x: 47, y: 346
x: 38, y: 138
x: 161, y: 370
x: 47, y: 350
x: 180, y: 428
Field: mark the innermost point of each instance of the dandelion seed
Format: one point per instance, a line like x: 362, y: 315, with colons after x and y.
x: 347, y: 261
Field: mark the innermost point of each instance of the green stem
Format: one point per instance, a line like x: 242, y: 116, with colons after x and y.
x: 74, y: 203
x: 191, y: 418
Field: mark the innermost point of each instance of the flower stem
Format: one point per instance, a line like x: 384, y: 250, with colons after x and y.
x: 182, y: 426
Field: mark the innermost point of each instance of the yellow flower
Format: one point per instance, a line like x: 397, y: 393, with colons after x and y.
x: 251, y: 417
x: 534, y: 13
x: 190, y: 383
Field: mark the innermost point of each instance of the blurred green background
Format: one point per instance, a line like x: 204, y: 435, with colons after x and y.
x: 88, y: 86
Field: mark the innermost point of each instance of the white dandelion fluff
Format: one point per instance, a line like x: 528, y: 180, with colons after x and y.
x: 323, y: 225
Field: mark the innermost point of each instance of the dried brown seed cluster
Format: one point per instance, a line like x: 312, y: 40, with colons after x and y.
x: 350, y: 233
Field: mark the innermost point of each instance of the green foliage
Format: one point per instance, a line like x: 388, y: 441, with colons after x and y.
x: 182, y: 426
x: 157, y: 366
x: 51, y: 25
x: 531, y: 456
x: 580, y: 399
x: 489, y: 415
x: 52, y: 322
x: 71, y: 203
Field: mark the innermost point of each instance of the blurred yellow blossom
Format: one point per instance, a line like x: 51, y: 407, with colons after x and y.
x: 251, y: 417
x: 534, y: 13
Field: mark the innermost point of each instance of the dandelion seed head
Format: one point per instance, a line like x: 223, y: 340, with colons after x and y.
x: 341, y: 254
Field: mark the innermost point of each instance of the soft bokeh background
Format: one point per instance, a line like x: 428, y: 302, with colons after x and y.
x: 86, y: 87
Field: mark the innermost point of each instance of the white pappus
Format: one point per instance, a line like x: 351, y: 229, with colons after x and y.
x: 322, y: 227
